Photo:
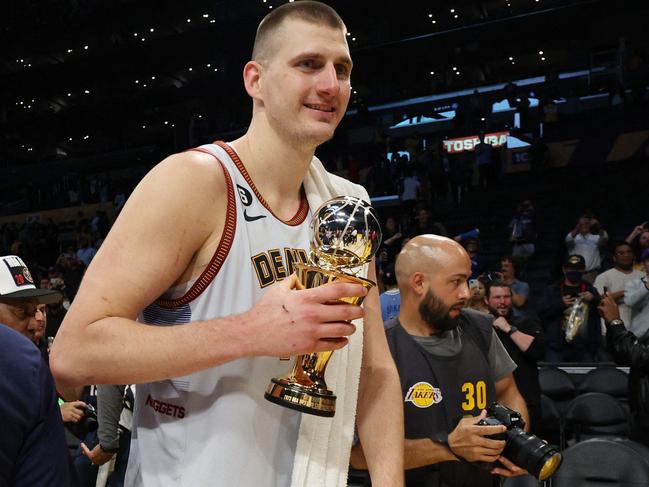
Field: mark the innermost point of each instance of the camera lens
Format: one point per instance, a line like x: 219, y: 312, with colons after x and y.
x: 532, y: 453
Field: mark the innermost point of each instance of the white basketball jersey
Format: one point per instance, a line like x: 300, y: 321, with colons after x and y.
x: 214, y: 427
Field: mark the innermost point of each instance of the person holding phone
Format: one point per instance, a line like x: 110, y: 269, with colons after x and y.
x: 639, y: 239
x: 587, y: 239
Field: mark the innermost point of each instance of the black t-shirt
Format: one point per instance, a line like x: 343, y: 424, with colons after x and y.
x: 526, y: 374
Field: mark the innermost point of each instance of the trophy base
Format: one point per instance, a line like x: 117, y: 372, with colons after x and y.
x: 295, y: 396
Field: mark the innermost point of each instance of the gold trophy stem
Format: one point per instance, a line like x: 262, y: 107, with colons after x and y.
x: 304, y: 388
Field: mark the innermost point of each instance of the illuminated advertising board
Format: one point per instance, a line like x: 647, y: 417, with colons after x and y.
x: 461, y: 144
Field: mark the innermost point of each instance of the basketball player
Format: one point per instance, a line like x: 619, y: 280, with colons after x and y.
x: 208, y: 241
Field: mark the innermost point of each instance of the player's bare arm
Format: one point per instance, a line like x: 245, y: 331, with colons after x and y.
x: 380, y: 411
x: 166, y: 234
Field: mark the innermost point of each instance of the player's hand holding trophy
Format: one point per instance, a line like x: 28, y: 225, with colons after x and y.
x: 345, y: 234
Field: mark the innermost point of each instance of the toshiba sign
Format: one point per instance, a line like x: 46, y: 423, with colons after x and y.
x: 453, y: 146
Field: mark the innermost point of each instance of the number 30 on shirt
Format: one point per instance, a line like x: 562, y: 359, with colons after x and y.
x: 475, y: 395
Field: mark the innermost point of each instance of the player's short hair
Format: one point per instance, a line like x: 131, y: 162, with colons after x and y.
x: 309, y: 11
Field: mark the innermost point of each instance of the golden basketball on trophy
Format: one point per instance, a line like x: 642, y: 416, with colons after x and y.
x: 345, y: 234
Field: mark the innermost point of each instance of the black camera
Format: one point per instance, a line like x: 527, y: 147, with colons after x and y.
x: 86, y: 424
x: 527, y: 451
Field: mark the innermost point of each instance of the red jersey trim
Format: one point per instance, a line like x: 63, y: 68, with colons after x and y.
x: 210, y: 272
x: 302, y: 211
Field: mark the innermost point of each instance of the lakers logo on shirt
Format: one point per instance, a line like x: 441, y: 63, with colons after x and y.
x: 423, y: 395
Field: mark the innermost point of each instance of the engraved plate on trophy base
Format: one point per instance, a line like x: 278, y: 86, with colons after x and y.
x: 294, y: 396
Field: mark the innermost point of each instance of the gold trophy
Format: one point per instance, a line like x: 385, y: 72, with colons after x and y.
x: 345, y: 234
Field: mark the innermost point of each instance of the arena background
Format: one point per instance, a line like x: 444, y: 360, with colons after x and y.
x: 93, y: 94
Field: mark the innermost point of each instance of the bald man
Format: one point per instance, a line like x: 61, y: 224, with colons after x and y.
x: 452, y: 365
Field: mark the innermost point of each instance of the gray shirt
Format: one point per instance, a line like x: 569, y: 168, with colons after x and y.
x: 110, y: 401
x: 449, y: 343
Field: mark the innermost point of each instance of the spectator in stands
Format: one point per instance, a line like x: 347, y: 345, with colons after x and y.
x: 426, y: 224
x: 484, y: 160
x: 437, y: 173
x: 525, y: 342
x: 628, y: 349
x: 636, y: 296
x: 639, y: 239
x: 471, y: 242
x: 523, y: 231
x: 56, y: 312
x: 392, y: 237
x: 86, y: 251
x: 614, y: 280
x: 72, y: 269
x: 410, y: 190
x: 520, y: 290
x: 554, y: 308
x: 476, y: 298
x: 390, y: 298
x: 456, y: 177
x: 586, y: 239
x: 100, y: 224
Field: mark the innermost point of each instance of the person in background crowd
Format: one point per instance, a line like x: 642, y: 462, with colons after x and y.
x: 630, y: 350
x: 523, y: 231
x: 426, y: 224
x: 554, y: 308
x: 636, y: 297
x: 72, y: 269
x: 392, y: 237
x: 86, y: 251
x: 476, y: 299
x: 484, y: 154
x: 639, y: 239
x: 390, y: 298
x: 587, y: 239
x: 411, y: 190
x: 523, y: 338
x: 520, y: 290
x: 56, y: 312
x: 614, y: 280
x: 471, y: 242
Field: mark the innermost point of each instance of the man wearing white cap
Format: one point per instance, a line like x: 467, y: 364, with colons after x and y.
x: 22, y: 305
